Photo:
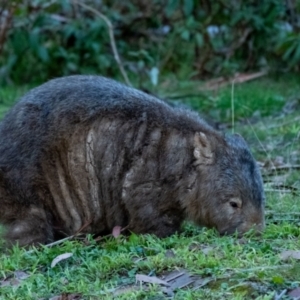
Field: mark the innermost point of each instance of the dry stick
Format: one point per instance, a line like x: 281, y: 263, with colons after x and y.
x: 221, y: 82
x: 53, y: 244
x: 278, y: 297
x: 61, y: 241
x: 233, y: 271
x: 261, y: 268
x: 99, y: 238
x: 86, y: 224
x: 111, y: 37
x: 76, y: 235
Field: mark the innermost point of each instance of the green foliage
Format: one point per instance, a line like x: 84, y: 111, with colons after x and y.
x: 289, y: 48
x: 45, y: 39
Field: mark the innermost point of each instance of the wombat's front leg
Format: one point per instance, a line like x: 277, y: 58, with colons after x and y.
x: 30, y: 227
x: 148, y: 215
x: 161, y: 225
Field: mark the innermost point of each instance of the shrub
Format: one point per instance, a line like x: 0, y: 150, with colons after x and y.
x: 43, y: 39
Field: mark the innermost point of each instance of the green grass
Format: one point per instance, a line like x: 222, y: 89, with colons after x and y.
x: 247, y: 268
x: 97, y: 269
x: 261, y: 97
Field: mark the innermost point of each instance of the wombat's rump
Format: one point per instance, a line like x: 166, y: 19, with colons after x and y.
x: 86, y: 151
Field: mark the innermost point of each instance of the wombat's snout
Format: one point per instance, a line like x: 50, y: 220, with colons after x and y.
x: 259, y: 229
x: 243, y: 228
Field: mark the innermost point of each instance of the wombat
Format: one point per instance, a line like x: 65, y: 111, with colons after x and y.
x: 87, y: 153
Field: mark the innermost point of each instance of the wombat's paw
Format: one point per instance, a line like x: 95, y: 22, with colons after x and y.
x: 27, y: 233
x: 23, y: 234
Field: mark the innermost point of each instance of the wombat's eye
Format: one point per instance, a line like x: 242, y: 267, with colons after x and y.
x: 233, y: 204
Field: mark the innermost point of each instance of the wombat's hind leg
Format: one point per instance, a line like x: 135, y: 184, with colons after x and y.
x: 30, y: 228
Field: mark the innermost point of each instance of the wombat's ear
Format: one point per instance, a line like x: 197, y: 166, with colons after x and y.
x: 202, y: 151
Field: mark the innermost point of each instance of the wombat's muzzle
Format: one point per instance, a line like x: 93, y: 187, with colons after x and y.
x: 242, y: 228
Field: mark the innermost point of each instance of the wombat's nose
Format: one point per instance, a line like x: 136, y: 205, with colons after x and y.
x: 259, y: 228
x: 256, y: 228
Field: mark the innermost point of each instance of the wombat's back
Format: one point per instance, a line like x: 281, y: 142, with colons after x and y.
x: 80, y: 98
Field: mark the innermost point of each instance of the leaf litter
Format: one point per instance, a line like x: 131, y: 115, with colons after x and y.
x: 169, y: 283
x: 288, y: 254
x: 59, y: 258
x: 15, y: 279
x: 66, y: 296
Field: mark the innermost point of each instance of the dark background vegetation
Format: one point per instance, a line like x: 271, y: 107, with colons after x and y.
x: 195, y: 39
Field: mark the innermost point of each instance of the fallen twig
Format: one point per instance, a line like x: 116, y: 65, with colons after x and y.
x: 261, y: 268
x: 189, y: 95
x: 53, y: 244
x: 218, y: 83
x: 278, y: 297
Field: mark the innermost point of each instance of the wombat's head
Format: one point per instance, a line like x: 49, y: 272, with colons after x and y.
x: 229, y: 194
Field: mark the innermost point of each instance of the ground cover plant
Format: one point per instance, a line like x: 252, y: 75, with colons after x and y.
x: 196, y: 263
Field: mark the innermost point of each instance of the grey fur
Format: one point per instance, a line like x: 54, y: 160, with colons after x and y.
x: 86, y: 151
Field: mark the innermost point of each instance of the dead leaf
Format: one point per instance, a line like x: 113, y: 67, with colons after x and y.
x: 21, y: 275
x: 182, y: 281
x: 173, y: 275
x: 279, y: 296
x: 200, y: 247
x: 181, y: 278
x: 59, y: 258
x: 295, y: 293
x: 116, y: 231
x: 170, y: 254
x: 64, y: 281
x: 66, y: 296
x: 14, y: 280
x: 242, y: 241
x: 202, y: 282
x: 207, y: 250
x: 291, y: 105
x: 170, y: 282
x: 10, y: 282
x: 150, y: 279
x: 124, y: 289
x: 287, y: 254
x: 194, y: 247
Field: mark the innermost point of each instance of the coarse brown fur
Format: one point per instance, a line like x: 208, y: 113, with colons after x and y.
x: 84, y: 150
